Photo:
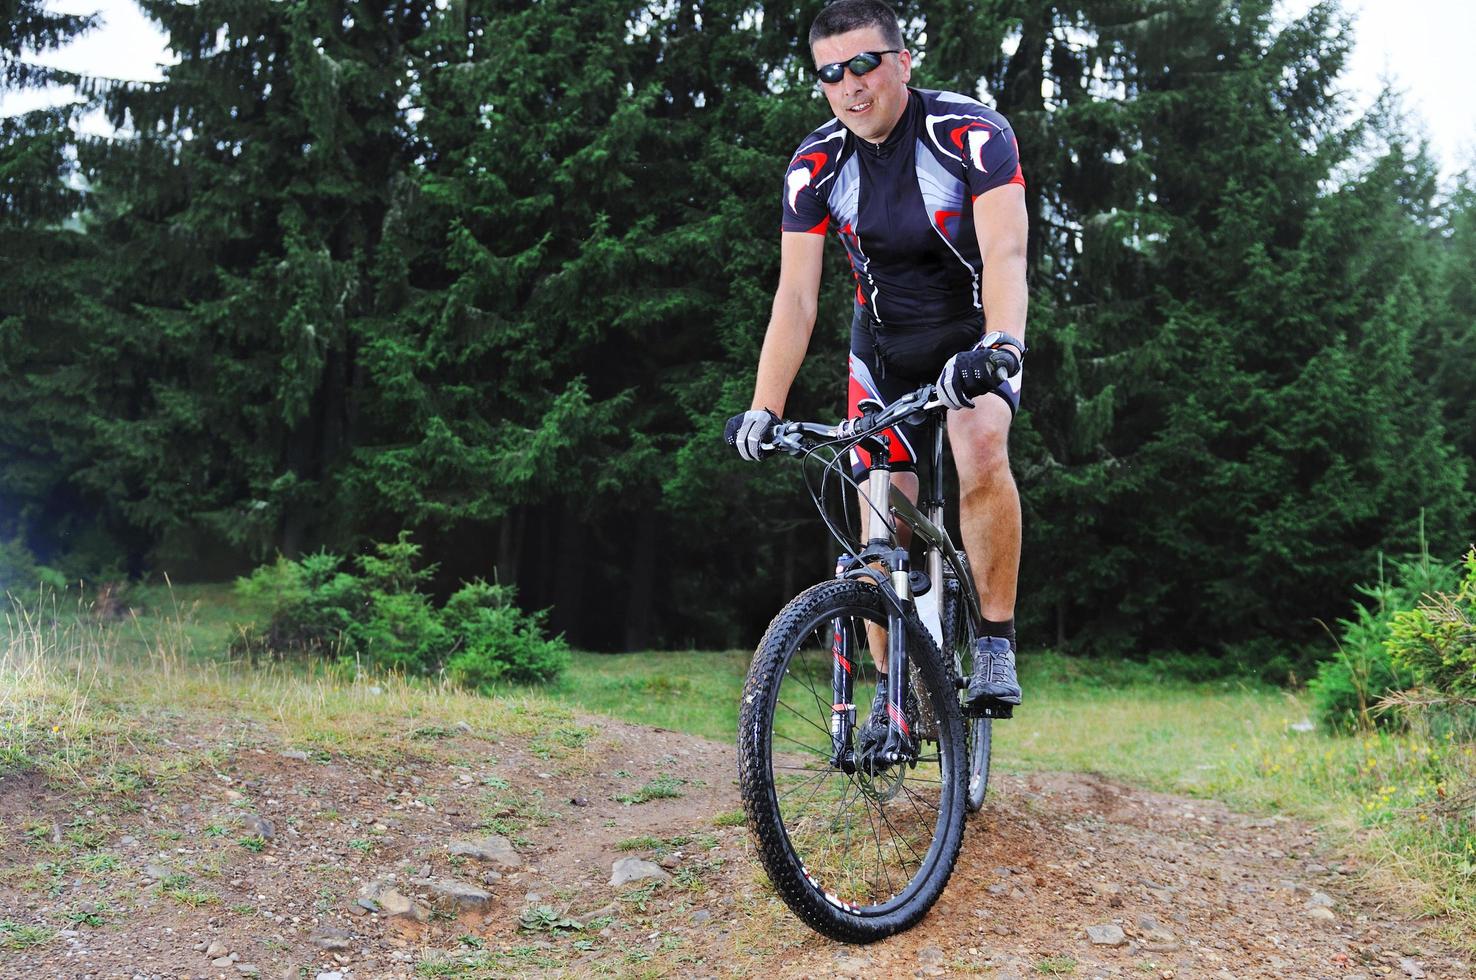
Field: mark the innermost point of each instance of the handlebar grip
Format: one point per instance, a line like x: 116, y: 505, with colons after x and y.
x: 730, y: 431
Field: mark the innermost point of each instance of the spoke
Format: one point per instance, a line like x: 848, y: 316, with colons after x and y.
x: 808, y: 748
x: 786, y: 706
x: 818, y: 776
x: 895, y: 834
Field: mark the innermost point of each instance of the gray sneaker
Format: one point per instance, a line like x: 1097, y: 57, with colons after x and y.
x: 993, y: 681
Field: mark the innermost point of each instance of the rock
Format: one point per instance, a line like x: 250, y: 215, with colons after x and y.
x: 158, y: 872
x: 579, y: 801
x: 330, y: 975
x: 1106, y: 935
x: 1411, y: 968
x: 258, y: 826
x: 395, y: 905
x: 496, y: 849
x: 634, y: 869
x: 701, y: 917
x: 332, y: 940
x: 1000, y: 929
x: 459, y: 893
x: 671, y: 862
x: 222, y: 961
x: 128, y: 840
x: 248, y: 969
x: 998, y: 889
x: 930, y: 954
x: 296, y: 754
x: 1322, y: 899
x: 491, y: 877
x: 1321, y: 913
x: 216, y: 949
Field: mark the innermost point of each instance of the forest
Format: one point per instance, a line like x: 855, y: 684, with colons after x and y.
x: 495, y: 273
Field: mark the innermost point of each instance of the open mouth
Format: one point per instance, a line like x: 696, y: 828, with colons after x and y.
x: 860, y: 106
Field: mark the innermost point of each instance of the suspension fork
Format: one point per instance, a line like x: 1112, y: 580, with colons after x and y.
x: 899, y: 746
x: 842, y: 683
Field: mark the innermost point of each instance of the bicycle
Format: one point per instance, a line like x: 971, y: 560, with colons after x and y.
x: 802, y: 770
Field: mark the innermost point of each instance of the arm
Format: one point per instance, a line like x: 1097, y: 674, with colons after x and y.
x: 1000, y: 222
x: 792, y: 319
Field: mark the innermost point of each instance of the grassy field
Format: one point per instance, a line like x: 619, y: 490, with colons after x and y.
x: 70, y: 685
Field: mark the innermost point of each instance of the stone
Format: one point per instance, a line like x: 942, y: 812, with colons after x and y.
x: 395, y: 905
x: 332, y: 940
x: 1321, y: 914
x: 330, y: 975
x: 248, y: 969
x: 1322, y: 899
x: 296, y: 754
x: 222, y: 961
x: 701, y: 917
x: 216, y: 949
x: 1411, y: 968
x: 930, y: 954
x: 671, y: 862
x: 459, y: 893
x: 158, y: 872
x: 634, y: 869
x: 258, y: 826
x: 1106, y: 935
x: 496, y: 849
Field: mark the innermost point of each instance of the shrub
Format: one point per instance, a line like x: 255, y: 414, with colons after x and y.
x: 1436, y: 640
x: 21, y: 573
x: 497, y: 641
x: 380, y: 617
x: 1347, y: 689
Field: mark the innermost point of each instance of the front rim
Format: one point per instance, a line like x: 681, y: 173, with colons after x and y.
x: 867, y: 842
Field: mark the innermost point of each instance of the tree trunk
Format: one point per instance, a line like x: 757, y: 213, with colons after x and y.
x: 642, y: 582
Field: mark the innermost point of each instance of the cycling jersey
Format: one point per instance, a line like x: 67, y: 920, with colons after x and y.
x: 904, y: 209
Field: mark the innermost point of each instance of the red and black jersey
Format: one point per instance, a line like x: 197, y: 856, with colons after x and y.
x: 904, y: 208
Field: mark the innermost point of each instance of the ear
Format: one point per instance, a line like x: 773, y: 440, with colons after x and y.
x: 904, y: 58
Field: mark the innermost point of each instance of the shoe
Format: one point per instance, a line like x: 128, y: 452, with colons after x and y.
x: 871, y: 737
x: 993, y: 681
x: 873, y: 732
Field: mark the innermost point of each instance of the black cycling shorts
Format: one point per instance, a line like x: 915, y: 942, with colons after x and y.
x: 887, y: 364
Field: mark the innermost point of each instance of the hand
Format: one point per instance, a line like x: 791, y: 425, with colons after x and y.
x: 979, y: 371
x: 746, y: 433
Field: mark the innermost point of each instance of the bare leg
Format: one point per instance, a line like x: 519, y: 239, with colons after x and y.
x: 876, y: 636
x: 989, y: 503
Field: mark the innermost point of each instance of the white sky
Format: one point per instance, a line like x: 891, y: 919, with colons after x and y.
x: 1422, y: 46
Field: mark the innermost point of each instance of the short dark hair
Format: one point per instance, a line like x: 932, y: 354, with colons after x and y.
x: 844, y: 16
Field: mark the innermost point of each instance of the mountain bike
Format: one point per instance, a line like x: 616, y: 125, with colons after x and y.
x: 860, y: 837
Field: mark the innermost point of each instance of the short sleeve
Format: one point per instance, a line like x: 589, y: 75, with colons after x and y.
x: 803, y: 208
x: 991, y: 155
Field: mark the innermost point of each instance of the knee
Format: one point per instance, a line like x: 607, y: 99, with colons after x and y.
x: 986, y: 449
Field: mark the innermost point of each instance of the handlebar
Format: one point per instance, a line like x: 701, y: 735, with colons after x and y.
x: 797, y: 437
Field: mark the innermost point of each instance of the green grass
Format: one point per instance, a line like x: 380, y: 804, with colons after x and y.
x: 681, y: 690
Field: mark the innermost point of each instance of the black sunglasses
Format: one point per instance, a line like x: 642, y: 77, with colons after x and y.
x: 861, y: 64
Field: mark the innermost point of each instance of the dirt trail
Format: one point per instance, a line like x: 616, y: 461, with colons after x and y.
x: 156, y: 883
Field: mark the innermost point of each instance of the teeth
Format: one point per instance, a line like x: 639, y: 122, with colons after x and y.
x: 860, y: 105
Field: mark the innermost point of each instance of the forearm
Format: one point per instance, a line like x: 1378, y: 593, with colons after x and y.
x: 785, y: 342
x: 1003, y: 291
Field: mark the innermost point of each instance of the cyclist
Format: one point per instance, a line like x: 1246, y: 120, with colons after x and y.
x: 924, y: 190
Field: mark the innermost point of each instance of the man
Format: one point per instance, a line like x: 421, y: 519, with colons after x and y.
x: 925, y: 192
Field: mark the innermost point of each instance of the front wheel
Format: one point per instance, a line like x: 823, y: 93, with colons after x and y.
x: 857, y: 855
x: 960, y: 634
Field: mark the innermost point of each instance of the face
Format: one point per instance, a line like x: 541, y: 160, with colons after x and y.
x: 869, y: 105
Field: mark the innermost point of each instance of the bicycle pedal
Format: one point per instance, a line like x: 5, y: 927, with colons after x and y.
x: 998, y: 711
